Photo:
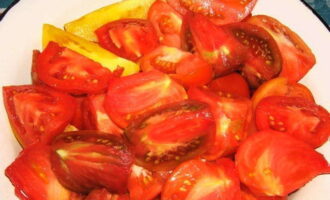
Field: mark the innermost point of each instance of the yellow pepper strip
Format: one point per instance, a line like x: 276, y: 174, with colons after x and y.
x: 89, y: 49
x: 86, y: 25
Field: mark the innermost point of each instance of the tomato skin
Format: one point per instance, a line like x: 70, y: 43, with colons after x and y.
x: 131, y: 96
x: 169, y: 135
x: 68, y: 71
x: 87, y: 160
x: 128, y: 38
x: 295, y: 116
x: 37, y: 113
x: 275, y: 164
x: 218, y: 181
x: 103, y: 194
x: 298, y: 58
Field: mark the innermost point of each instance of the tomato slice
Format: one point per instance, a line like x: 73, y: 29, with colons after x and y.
x: 232, y: 118
x: 167, y: 23
x: 199, y: 180
x: 134, y: 95
x: 128, y: 38
x: 275, y: 164
x: 34, y: 76
x: 95, y: 116
x: 78, y: 118
x: 103, y: 194
x: 216, y: 46
x: 33, y: 178
x: 264, y: 58
x: 295, y: 116
x: 246, y: 194
x: 87, y: 160
x: 298, y: 58
x: 37, y: 113
x: 231, y: 85
x: 170, y: 135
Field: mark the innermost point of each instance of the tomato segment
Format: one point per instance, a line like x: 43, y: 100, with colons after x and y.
x: 37, y: 113
x: 171, y: 134
x: 103, y: 194
x: 128, y: 38
x: 295, y: 116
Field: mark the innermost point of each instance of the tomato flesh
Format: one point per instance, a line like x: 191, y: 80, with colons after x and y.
x: 103, y: 194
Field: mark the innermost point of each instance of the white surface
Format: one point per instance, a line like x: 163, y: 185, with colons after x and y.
x: 20, y: 32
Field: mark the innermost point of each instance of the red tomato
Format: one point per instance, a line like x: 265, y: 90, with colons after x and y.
x: 134, y: 95
x: 95, y: 116
x: 128, y: 38
x: 34, y: 75
x: 232, y: 118
x: 78, y: 118
x: 167, y: 23
x: 37, y: 113
x: 68, y: 71
x: 87, y: 160
x: 232, y: 85
x: 246, y: 194
x: 295, y: 116
x: 199, y: 180
x: 276, y: 164
x: 216, y: 46
x: 298, y: 59
x: 170, y: 135
x: 103, y: 194
x: 264, y: 58
x: 31, y: 174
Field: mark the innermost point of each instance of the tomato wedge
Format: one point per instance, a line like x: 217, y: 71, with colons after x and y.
x: 37, y: 113
x: 295, y: 116
x: 199, y: 180
x: 169, y: 135
x: 130, y: 96
x: 246, y: 194
x: 128, y: 38
x: 275, y: 164
x: 34, y: 76
x: 103, y: 194
x: 33, y: 178
x: 297, y: 57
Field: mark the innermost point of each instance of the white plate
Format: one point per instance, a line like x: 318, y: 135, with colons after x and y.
x: 20, y: 32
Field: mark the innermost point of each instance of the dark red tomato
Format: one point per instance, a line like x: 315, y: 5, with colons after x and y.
x: 264, y: 57
x: 68, y: 71
x: 295, y: 116
x: 172, y: 134
x: 95, y: 116
x: 167, y: 23
x: 281, y: 87
x: 103, y: 194
x: 37, y: 113
x: 33, y: 178
x: 232, y: 118
x: 232, y: 85
x: 87, y: 160
x: 134, y: 95
x: 34, y: 76
x: 216, y: 45
x: 298, y: 59
x: 275, y: 164
x: 199, y: 180
x: 128, y: 38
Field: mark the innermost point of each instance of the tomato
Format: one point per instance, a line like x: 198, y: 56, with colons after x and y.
x: 37, y: 113
x: 232, y: 117
x: 199, y: 180
x: 78, y: 118
x: 128, y: 38
x: 231, y: 85
x: 171, y: 134
x: 246, y: 194
x: 298, y: 59
x: 216, y: 46
x: 103, y: 194
x: 68, y: 71
x: 167, y: 23
x: 95, y: 116
x: 264, y: 58
x: 275, y: 164
x: 295, y: 116
x: 130, y: 96
x: 33, y: 178
x: 34, y: 76
x: 87, y: 160
x: 281, y: 87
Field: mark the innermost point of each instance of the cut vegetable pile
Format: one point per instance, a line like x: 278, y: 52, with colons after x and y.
x: 167, y: 100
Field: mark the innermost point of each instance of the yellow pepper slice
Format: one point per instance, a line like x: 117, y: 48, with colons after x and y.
x: 86, y: 25
x: 89, y: 49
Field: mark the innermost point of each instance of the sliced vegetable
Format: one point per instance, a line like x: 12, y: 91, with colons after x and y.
x: 103, y: 194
